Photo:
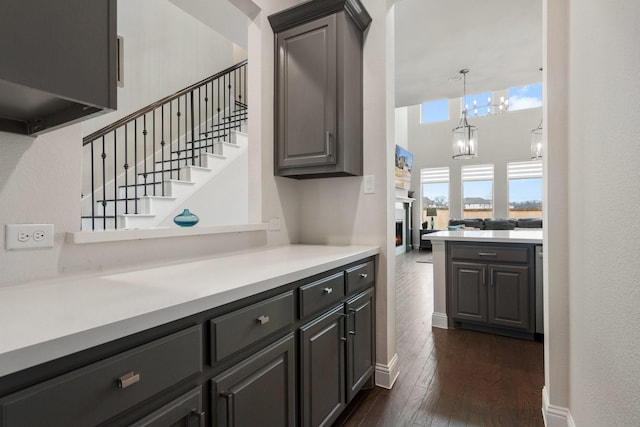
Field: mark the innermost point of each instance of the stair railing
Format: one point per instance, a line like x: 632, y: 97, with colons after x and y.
x: 136, y: 155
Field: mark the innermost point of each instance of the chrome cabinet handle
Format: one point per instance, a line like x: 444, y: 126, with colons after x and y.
x: 229, y: 397
x: 351, y: 310
x: 327, y: 290
x: 263, y: 319
x: 484, y: 277
x: 487, y: 254
x: 364, y: 275
x: 128, y: 379
x: 200, y: 415
x: 328, y: 143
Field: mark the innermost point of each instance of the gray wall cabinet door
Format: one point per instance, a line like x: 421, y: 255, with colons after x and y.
x: 322, y: 383
x: 509, y: 296
x: 468, y: 291
x: 306, y: 106
x: 259, y: 391
x: 318, y: 96
x: 360, y: 347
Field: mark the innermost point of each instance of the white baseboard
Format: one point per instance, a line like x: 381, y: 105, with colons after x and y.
x: 386, y: 375
x: 439, y: 320
x: 555, y: 416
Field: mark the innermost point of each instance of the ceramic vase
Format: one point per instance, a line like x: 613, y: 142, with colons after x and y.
x: 186, y: 219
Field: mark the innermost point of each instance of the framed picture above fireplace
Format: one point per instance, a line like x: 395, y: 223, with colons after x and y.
x: 404, y: 163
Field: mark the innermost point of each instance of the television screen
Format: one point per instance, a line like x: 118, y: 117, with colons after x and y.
x: 404, y: 163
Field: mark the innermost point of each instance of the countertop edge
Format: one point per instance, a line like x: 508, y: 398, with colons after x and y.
x: 15, y: 360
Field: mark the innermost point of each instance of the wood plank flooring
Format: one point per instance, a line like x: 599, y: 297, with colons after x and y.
x: 450, y: 377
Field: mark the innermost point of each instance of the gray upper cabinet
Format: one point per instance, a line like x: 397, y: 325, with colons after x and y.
x: 58, y: 62
x: 318, y: 89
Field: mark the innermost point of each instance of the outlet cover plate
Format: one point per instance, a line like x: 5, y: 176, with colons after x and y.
x: 26, y: 236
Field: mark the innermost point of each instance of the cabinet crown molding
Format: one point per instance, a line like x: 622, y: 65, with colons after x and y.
x: 314, y: 9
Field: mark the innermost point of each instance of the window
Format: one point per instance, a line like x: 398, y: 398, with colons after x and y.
x: 525, y: 189
x: 525, y: 97
x: 436, y: 111
x: 478, y: 105
x: 477, y: 191
x: 435, y: 195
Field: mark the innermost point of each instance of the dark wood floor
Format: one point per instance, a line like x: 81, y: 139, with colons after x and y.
x: 450, y: 377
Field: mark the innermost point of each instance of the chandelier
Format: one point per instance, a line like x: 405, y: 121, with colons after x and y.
x: 536, y: 142
x: 465, y: 136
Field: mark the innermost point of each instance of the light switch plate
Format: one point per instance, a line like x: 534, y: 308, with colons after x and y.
x: 369, y: 184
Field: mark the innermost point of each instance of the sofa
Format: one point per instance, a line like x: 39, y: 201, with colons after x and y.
x: 496, y: 223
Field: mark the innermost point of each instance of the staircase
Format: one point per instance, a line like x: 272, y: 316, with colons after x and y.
x: 145, y: 167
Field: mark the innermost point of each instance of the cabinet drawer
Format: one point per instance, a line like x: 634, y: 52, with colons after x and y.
x: 185, y: 410
x: 360, y: 277
x: 321, y: 294
x: 240, y: 328
x: 491, y: 253
x: 95, y: 393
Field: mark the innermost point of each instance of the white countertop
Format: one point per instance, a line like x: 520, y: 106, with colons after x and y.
x: 41, y: 321
x: 527, y: 235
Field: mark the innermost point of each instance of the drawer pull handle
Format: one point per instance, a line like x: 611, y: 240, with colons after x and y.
x: 364, y: 275
x: 128, y: 379
x: 487, y: 253
x: 263, y: 320
x: 327, y: 290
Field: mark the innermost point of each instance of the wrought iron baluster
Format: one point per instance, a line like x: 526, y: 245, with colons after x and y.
x: 126, y: 170
x: 153, y: 172
x: 171, y: 139
x: 178, y: 136
x: 135, y: 164
x: 193, y: 133
x: 93, y: 189
x: 104, y: 186
x: 115, y: 181
x: 162, y: 144
x: 144, y: 152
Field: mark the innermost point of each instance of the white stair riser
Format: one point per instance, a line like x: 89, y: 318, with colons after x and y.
x: 139, y: 191
x: 176, y: 190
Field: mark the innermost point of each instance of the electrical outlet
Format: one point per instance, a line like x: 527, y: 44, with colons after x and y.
x: 25, y: 236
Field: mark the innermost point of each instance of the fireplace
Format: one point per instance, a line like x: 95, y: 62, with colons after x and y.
x: 399, y: 233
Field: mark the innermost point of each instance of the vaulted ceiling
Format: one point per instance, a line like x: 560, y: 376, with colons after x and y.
x: 500, y: 41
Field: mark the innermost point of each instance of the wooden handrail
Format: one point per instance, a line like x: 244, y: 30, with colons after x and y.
x: 115, y: 125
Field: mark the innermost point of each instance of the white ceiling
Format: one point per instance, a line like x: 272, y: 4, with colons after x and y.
x: 500, y: 41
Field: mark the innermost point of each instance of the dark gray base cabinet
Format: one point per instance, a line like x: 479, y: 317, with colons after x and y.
x: 318, y: 94
x: 491, y: 286
x: 323, y: 372
x: 295, y: 355
x: 258, y: 391
x: 360, y: 341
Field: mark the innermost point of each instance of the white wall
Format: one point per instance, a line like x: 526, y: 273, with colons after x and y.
x: 190, y: 51
x: 40, y: 178
x: 501, y: 139
x: 604, y: 265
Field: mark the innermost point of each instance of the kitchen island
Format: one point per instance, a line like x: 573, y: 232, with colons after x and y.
x: 468, y: 262
x: 193, y: 342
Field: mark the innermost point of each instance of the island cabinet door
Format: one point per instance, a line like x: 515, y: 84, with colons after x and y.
x: 469, y: 291
x: 509, y: 296
x: 322, y: 382
x: 259, y: 391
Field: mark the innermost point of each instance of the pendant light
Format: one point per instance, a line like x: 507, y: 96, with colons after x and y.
x: 465, y: 136
x: 536, y: 142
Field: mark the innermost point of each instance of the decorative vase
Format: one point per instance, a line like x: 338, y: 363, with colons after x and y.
x: 186, y: 219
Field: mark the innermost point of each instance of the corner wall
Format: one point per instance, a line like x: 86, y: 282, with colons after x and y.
x: 604, y: 267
